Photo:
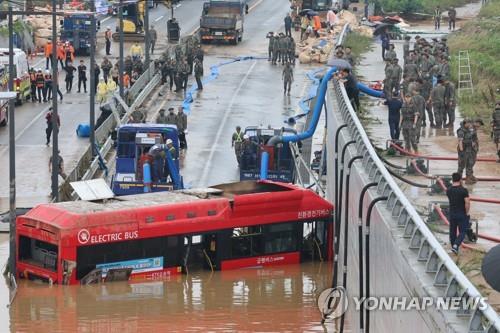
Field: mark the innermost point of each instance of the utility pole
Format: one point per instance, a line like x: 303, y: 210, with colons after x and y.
x: 120, y: 18
x: 12, y: 153
x: 55, y: 116
x: 146, y: 32
x: 93, y: 82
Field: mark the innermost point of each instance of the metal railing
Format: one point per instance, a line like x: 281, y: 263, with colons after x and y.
x: 448, y: 279
x: 87, y: 167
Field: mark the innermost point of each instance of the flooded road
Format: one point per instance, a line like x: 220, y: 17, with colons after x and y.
x: 273, y: 300
x: 278, y: 299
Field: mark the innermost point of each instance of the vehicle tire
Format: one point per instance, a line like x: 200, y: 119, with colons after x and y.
x: 240, y: 37
x: 3, y: 123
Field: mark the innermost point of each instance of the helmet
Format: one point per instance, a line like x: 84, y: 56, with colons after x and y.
x: 47, y: 71
x: 246, y: 136
x: 169, y: 142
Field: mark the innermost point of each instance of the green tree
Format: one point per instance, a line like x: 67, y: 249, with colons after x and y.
x: 402, y: 6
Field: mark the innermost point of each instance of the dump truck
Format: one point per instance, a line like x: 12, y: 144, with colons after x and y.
x: 222, y: 21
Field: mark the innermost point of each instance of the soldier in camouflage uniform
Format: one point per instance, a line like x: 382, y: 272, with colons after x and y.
x: 437, y: 101
x: 171, y: 118
x: 467, y: 138
x: 287, y: 78
x: 495, y: 127
x: 419, y: 104
x: 411, y: 70
x: 450, y: 102
x: 161, y: 119
x: 391, y: 53
x: 406, y: 49
x: 184, y: 70
x: 409, y: 120
x: 270, y: 46
x: 276, y: 50
x: 425, y: 91
x: 397, y: 73
x: 283, y: 46
x: 291, y: 50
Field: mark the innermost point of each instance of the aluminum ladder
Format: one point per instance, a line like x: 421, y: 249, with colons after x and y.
x: 464, y: 74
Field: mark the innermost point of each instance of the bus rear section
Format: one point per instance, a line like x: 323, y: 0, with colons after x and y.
x: 38, y: 251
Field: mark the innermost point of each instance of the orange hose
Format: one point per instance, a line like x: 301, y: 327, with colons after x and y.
x: 445, y: 220
x: 439, y: 158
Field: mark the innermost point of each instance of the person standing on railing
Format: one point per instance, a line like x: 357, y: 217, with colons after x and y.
x: 459, y: 201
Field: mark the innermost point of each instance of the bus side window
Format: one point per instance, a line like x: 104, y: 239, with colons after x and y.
x: 281, y: 237
x: 246, y: 242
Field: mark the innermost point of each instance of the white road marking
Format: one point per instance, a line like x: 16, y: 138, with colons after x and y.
x: 105, y: 19
x: 34, y: 120
x: 159, y: 18
x: 222, y: 126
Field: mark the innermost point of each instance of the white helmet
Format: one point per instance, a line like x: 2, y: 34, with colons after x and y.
x: 246, y: 136
x: 169, y: 142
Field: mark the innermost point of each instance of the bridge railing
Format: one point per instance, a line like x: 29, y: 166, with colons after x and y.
x: 447, y: 276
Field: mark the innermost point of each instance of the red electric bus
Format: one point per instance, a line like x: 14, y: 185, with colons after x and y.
x: 229, y: 226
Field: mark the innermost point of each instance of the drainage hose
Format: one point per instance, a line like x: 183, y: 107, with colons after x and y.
x: 438, y: 158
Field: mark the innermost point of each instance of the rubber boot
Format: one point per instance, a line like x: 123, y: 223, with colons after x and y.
x: 469, y: 180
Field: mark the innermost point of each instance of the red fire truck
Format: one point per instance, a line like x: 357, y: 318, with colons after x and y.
x: 151, y: 236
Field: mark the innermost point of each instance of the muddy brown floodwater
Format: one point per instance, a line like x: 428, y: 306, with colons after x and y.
x: 279, y: 299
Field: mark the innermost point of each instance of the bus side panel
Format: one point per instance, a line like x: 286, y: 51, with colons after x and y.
x: 157, y: 275
x: 262, y: 261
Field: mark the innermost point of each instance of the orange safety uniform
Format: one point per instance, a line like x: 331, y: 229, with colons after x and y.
x: 316, y: 22
x: 69, y: 52
x: 60, y: 52
x: 126, y: 80
x: 48, y: 50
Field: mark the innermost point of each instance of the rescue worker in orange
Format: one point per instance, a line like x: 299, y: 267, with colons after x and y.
x: 316, y: 25
x: 48, y: 54
x: 69, y: 53
x: 126, y: 80
x: 40, y: 85
x: 33, y: 84
x: 61, y: 54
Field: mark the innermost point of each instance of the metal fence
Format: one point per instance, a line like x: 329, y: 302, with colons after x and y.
x: 86, y: 167
x: 448, y: 279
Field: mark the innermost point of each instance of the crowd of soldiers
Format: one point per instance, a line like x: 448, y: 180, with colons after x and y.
x: 281, y: 48
x: 428, y: 94
x: 179, y: 120
x: 176, y: 67
x: 424, y: 84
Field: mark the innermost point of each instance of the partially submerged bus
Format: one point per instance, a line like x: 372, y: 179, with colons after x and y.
x: 154, y: 235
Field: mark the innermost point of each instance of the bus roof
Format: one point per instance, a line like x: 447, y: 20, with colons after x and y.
x: 242, y: 199
x: 139, y: 126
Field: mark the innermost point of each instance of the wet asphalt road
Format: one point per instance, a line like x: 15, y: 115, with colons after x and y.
x: 246, y: 93
x: 33, y: 178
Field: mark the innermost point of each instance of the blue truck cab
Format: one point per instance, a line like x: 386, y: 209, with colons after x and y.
x: 134, y: 143
x: 281, y: 166
x: 76, y: 29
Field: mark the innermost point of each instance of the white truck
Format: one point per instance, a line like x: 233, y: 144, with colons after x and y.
x: 22, y: 85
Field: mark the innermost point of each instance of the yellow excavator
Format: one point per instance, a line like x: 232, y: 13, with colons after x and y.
x: 133, y: 20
